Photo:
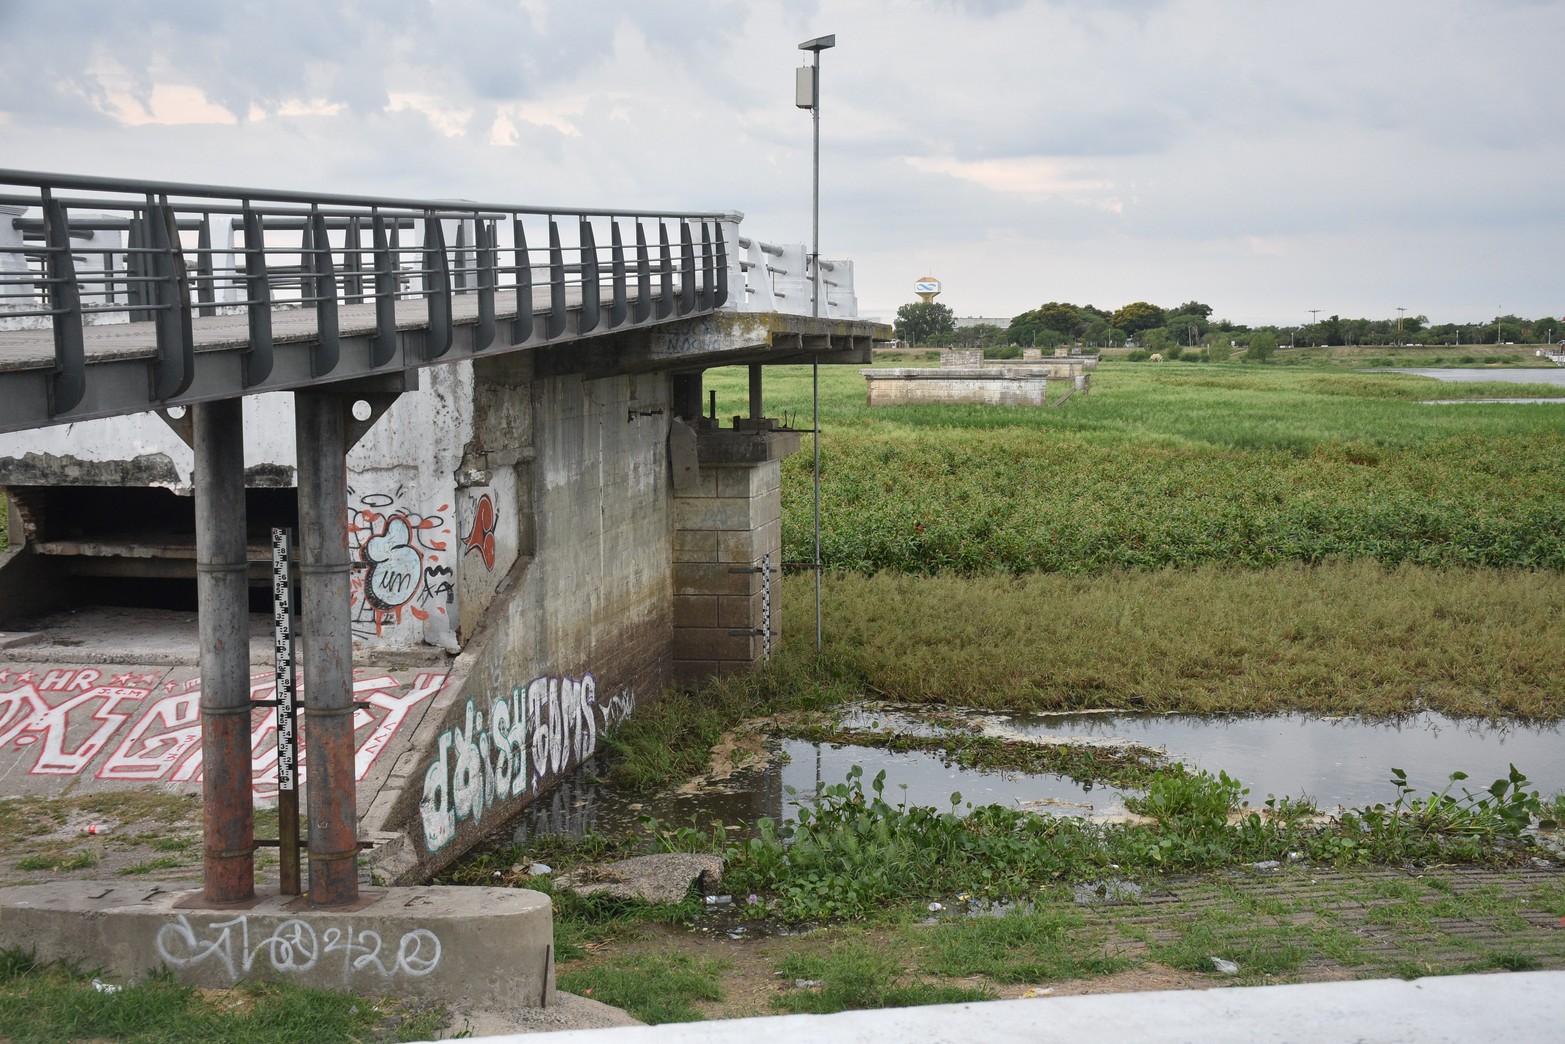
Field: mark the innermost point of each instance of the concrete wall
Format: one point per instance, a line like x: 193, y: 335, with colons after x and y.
x: 988, y: 388
x: 582, y: 629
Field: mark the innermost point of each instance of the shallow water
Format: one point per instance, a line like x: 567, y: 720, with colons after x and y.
x: 1507, y: 375
x: 1334, y: 761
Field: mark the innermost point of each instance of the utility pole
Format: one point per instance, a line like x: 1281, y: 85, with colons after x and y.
x: 1400, y: 312
x: 807, y: 95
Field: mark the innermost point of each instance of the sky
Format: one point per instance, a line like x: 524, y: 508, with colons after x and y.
x: 1266, y: 158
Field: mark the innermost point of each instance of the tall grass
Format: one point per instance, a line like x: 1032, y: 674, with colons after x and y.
x: 1182, y: 465
x: 1340, y: 637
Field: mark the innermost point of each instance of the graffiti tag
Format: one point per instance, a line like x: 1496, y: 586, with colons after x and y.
x: 295, y: 946
x: 534, y: 732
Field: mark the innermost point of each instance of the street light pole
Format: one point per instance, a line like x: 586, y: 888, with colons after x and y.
x: 807, y: 95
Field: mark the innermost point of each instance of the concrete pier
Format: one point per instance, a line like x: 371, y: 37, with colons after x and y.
x: 473, y: 948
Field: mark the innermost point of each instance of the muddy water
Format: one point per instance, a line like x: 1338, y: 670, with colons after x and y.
x: 1332, y: 761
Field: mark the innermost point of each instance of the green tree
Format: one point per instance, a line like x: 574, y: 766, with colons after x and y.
x: 1137, y: 316
x: 1186, y: 327
x: 1262, y: 345
x: 1059, y: 317
x: 1196, y: 308
x: 918, y: 321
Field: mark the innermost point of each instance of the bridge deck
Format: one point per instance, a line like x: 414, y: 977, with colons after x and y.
x: 116, y: 342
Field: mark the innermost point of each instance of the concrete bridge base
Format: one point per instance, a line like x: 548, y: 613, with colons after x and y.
x: 472, y: 948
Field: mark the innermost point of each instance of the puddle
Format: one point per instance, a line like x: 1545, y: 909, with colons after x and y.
x: 1334, y: 761
x: 1506, y: 375
x: 581, y: 805
x: 1481, y: 402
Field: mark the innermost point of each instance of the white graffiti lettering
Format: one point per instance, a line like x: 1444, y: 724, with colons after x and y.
x: 295, y: 947
x: 532, y: 733
x: 137, y: 730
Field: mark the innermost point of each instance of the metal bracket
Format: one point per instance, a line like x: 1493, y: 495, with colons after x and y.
x: 184, y: 425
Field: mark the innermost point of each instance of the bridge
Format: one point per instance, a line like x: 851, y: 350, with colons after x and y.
x: 485, y: 423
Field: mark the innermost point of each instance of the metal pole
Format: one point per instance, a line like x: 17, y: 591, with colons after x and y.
x: 328, y: 648
x: 815, y: 362
x: 222, y: 599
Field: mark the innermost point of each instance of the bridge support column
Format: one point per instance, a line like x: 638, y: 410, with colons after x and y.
x: 327, y: 646
x: 223, y: 603
x: 728, y: 554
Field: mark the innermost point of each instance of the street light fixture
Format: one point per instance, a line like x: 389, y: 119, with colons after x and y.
x: 807, y: 95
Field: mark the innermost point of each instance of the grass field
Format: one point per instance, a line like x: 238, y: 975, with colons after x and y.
x: 1181, y: 464
x: 1190, y: 537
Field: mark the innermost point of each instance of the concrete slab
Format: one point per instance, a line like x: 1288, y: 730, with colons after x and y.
x: 107, y: 725
x: 478, y: 949
x: 664, y: 877
x: 1446, y: 1010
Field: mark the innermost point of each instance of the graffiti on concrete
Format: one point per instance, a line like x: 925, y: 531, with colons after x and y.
x: 402, y: 558
x: 296, y: 946
x: 140, y: 728
x: 533, y: 732
x: 481, y: 537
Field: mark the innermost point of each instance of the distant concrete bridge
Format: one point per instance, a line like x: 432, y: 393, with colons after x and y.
x: 486, y: 424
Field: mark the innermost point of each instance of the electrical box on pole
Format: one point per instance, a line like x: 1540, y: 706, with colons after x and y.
x: 804, y: 87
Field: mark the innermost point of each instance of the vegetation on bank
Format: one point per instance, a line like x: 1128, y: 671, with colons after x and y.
x: 1267, y: 926
x: 45, y: 1002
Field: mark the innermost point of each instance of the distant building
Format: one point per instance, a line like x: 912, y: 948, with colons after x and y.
x: 980, y: 320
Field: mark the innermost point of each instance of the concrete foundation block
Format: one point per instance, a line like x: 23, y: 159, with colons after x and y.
x: 480, y: 948
x: 739, y: 611
x: 714, y: 643
x: 696, y: 610
x: 737, y: 546
x: 698, y: 578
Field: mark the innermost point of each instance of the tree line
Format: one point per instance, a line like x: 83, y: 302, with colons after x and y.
x: 1190, y: 325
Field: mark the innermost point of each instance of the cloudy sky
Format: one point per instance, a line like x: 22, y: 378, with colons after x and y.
x: 1264, y: 157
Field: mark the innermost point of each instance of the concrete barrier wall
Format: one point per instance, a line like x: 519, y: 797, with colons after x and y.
x: 579, y: 633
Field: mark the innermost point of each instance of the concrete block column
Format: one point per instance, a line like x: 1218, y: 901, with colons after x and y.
x: 727, y: 549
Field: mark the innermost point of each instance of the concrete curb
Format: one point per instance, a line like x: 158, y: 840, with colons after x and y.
x: 1453, y: 1009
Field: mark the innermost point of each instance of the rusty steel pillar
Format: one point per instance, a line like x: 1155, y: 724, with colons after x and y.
x: 223, y: 601
x: 326, y: 647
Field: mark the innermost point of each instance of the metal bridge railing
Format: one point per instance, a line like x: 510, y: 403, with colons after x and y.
x: 80, y: 251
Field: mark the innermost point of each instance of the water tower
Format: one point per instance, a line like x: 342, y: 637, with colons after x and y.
x: 927, y: 288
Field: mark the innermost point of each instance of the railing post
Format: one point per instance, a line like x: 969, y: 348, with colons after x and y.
x: 522, y: 325
x: 64, y: 298
x: 222, y: 600
x: 258, y: 291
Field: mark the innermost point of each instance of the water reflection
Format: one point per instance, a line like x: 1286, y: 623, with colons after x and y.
x: 1335, y: 761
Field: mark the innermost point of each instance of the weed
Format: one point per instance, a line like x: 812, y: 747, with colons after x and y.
x: 151, y: 866
x: 1189, y: 802
x: 854, y: 853
x: 855, y: 975
x: 57, y: 1001
x: 654, y: 989
x: 1025, y: 945
x: 1258, y: 948
x: 59, y: 861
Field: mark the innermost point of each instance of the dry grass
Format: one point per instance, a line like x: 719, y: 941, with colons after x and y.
x: 1341, y: 637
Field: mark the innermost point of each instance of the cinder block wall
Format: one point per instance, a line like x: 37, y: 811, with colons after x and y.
x: 727, y: 548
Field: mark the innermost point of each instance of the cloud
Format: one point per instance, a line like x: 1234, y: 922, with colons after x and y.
x: 1102, y: 151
